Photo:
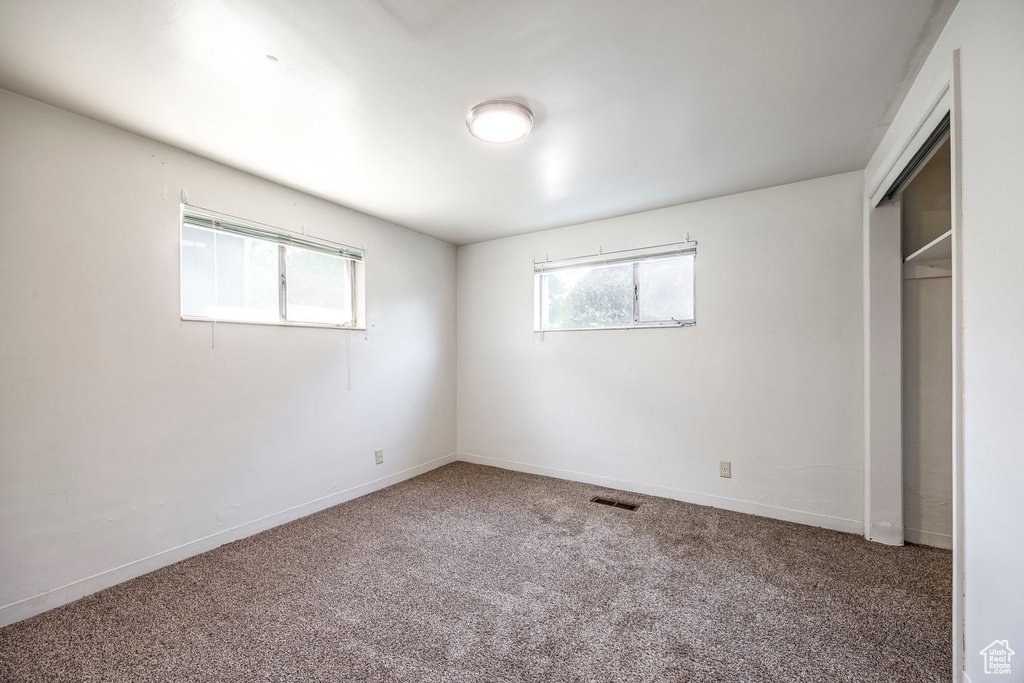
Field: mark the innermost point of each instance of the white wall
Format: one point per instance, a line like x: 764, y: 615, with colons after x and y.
x: 990, y: 37
x: 770, y: 378
x: 928, y: 411
x: 123, y: 434
x: 992, y: 62
x: 883, y: 401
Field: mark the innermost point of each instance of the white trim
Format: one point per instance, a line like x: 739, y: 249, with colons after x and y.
x: 957, y: 332
x: 941, y: 102
x: 29, y: 607
x: 853, y: 526
x: 641, y: 326
x: 935, y: 540
x: 219, y: 321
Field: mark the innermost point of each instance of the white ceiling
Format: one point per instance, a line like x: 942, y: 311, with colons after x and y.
x: 638, y: 104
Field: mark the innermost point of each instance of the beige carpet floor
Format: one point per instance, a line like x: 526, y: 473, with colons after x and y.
x: 472, y: 573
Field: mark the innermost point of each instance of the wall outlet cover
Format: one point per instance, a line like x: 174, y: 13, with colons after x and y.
x: 379, y: 454
x: 725, y: 469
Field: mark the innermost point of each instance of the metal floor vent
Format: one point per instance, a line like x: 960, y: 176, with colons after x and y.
x: 613, y: 503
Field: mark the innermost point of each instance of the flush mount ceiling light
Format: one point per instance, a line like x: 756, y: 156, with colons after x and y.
x: 499, y: 121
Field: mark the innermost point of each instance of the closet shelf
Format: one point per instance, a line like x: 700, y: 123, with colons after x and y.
x: 939, y: 249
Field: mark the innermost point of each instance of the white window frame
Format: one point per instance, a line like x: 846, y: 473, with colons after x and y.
x: 240, y: 227
x: 634, y: 256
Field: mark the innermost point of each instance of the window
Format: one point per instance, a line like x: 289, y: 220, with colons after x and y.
x: 233, y: 270
x: 639, y: 288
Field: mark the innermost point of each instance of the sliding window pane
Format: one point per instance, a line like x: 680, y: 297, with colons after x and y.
x: 319, y: 288
x: 228, y: 277
x: 198, y: 288
x: 587, y: 297
x: 247, y: 279
x: 666, y: 290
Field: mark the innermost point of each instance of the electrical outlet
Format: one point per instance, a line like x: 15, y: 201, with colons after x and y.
x: 379, y: 454
x: 725, y: 469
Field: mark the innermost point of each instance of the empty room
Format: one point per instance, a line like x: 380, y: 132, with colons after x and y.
x: 466, y: 340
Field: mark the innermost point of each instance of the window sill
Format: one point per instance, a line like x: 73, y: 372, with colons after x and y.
x: 322, y: 326
x: 653, y: 326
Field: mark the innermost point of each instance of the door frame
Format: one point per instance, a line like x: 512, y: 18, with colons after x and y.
x: 883, y: 502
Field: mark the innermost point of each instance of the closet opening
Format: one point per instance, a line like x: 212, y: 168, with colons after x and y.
x: 927, y: 344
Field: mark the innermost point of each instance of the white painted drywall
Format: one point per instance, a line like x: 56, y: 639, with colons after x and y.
x: 928, y: 364
x: 989, y: 35
x: 992, y: 62
x: 123, y: 434
x: 882, y: 373
x: 928, y: 411
x: 770, y: 377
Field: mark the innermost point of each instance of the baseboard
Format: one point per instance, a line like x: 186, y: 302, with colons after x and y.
x: 29, y: 607
x: 885, y: 533
x: 852, y: 526
x: 936, y: 540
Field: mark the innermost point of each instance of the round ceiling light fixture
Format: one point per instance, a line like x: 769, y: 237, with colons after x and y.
x: 499, y: 121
